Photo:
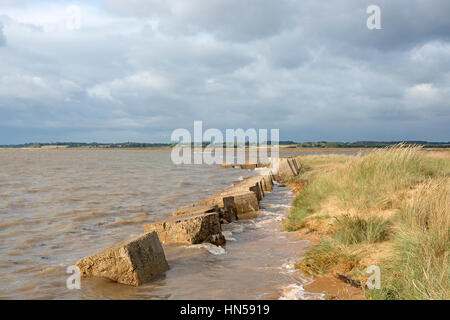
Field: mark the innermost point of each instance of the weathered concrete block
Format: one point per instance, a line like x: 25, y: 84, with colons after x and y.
x: 227, y: 213
x: 294, y: 161
x: 256, y: 189
x: 262, y: 187
x: 268, y: 182
x: 285, y: 169
x: 226, y: 165
x: 189, y: 229
x: 254, y: 184
x: 133, y: 261
x: 250, y: 215
x: 261, y: 165
x: 248, y: 166
x: 196, y: 209
x: 298, y: 163
x: 293, y: 165
x: 243, y: 203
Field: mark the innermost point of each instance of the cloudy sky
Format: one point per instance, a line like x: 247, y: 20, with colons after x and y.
x: 137, y: 69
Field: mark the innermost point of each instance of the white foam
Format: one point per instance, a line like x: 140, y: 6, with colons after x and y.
x: 228, y: 235
x: 297, y: 292
x: 293, y: 292
x: 288, y: 267
x: 254, y: 225
x: 261, y: 223
x: 285, y: 206
x: 233, y: 227
x: 215, y: 250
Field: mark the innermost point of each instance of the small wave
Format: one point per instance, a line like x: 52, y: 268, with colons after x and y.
x: 293, y: 292
x: 120, y: 222
x: 269, y: 220
x: 297, y: 292
x: 233, y: 227
x: 47, y: 271
x: 288, y: 267
x: 254, y: 225
x: 274, y: 205
x: 9, y: 224
x: 215, y: 250
x: 228, y: 235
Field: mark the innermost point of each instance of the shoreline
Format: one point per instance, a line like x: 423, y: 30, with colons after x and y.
x: 331, y: 286
x: 202, y: 223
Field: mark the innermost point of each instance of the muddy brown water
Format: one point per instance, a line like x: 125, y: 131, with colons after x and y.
x: 57, y: 206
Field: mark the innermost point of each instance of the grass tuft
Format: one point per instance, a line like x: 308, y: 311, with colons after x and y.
x: 329, y: 256
x: 356, y: 229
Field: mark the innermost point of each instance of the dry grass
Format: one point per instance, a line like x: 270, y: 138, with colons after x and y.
x: 397, y: 196
x: 420, y: 265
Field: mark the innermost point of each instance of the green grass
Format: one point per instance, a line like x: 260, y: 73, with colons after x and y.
x: 356, y: 229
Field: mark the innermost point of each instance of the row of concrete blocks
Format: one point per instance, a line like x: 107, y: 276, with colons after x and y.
x: 137, y: 260
x: 247, y: 165
x: 286, y: 168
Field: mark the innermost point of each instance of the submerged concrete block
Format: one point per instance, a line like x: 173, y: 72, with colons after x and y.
x: 261, y: 165
x: 248, y: 166
x: 189, y: 229
x: 133, y: 261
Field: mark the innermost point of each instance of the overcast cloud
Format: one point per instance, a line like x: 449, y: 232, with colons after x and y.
x: 138, y: 69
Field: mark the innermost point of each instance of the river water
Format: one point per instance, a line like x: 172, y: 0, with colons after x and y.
x: 57, y: 206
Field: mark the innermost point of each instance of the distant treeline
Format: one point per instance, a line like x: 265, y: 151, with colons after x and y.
x: 92, y: 145
x: 290, y: 144
x: 371, y: 144
x: 113, y: 145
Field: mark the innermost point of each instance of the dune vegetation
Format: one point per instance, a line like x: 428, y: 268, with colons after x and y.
x: 389, y: 207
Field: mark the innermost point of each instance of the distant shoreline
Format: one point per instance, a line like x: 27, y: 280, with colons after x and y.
x: 282, y: 148
x: 285, y: 145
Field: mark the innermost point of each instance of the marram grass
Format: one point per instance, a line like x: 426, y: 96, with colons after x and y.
x: 399, y: 196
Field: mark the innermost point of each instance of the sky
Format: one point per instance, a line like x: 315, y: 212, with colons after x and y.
x: 136, y: 70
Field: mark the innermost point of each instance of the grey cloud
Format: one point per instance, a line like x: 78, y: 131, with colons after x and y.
x: 404, y: 23
x: 2, y: 36
x: 230, y: 20
x: 311, y: 69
